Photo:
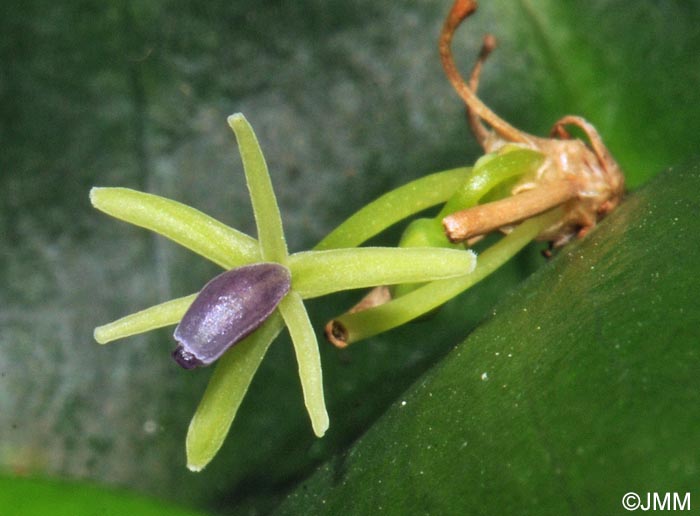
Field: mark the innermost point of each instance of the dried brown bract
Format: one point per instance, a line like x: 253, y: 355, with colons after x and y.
x: 582, y: 178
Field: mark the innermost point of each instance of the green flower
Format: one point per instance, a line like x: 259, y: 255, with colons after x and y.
x: 338, y: 266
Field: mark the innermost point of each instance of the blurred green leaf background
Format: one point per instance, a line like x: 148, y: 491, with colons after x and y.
x: 348, y: 100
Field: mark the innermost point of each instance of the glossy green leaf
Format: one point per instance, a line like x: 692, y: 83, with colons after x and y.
x: 582, y: 387
x: 40, y: 497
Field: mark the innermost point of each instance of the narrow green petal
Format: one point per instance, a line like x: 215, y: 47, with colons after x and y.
x: 267, y: 214
x: 394, y: 206
x: 224, y: 394
x: 308, y: 358
x: 361, y: 325
x: 148, y: 319
x: 187, y: 226
x: 317, y: 273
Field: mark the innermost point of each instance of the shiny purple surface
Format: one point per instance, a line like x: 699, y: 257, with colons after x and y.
x: 228, y: 309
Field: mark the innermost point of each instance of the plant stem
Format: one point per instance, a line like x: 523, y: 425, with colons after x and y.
x: 394, y: 206
x: 352, y: 327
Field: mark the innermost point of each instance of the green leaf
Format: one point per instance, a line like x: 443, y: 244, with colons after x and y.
x: 39, y: 497
x: 583, y: 386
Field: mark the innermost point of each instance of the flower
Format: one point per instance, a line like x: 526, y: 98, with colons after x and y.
x: 312, y: 273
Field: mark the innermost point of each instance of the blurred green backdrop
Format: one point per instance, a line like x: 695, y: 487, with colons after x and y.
x: 348, y: 100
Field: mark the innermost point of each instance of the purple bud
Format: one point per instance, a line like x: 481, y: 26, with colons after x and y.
x: 228, y: 309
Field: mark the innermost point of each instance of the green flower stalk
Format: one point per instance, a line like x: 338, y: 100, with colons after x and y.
x: 381, y: 311
x: 528, y: 187
x: 312, y: 273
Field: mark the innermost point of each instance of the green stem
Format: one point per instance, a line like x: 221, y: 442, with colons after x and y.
x: 360, y: 325
x: 394, y: 206
x: 490, y: 172
x: 491, y: 175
